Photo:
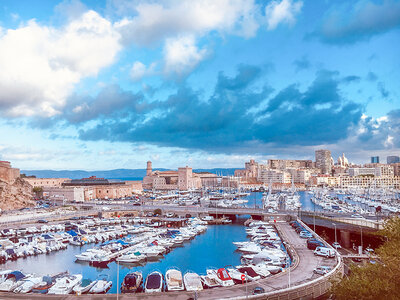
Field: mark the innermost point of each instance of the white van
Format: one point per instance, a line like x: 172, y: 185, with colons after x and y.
x: 323, y: 251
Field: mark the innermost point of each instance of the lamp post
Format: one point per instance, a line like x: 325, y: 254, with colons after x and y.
x: 361, y: 240
x: 335, y: 236
x: 117, y: 280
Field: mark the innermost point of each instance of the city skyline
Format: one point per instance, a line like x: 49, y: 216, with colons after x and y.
x: 112, y: 84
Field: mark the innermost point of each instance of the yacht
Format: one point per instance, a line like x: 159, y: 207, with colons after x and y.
x: 84, y: 287
x: 192, y: 281
x: 154, y: 283
x: 12, y: 281
x: 28, y: 284
x: 174, y: 280
x: 132, y: 282
x: 222, y: 276
x: 64, y: 285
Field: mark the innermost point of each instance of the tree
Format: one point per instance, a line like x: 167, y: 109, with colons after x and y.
x: 158, y: 211
x: 37, y: 189
x: 375, y: 281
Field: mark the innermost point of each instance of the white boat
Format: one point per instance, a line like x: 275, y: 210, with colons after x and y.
x: 209, y: 281
x: 192, y: 282
x: 131, y: 257
x: 28, y: 284
x: 174, y: 280
x: 84, y: 287
x: 101, y: 286
x: 222, y: 276
x: 12, y: 281
x: 3, y: 275
x: 154, y: 283
x: 64, y: 285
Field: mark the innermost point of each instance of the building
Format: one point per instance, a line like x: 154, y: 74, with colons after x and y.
x: 183, y: 179
x: 267, y: 176
x: 369, y: 181
x: 396, y: 169
x: 393, y: 159
x: 323, y: 161
x: 283, y: 164
x: 361, y: 172
x: 46, y: 182
x: 343, y: 161
x: 7, y: 173
x: 374, y: 159
x: 250, y: 171
x: 325, y: 180
x: 61, y: 195
x: 100, y: 188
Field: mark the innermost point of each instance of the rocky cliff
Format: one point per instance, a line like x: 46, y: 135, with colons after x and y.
x: 16, y: 195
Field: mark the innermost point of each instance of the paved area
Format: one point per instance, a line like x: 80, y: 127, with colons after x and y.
x: 299, y: 274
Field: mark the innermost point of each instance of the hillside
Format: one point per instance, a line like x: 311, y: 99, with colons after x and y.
x: 16, y: 195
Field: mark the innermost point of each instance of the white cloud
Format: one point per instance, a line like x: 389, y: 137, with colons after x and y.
x: 164, y: 19
x: 139, y: 70
x: 282, y: 12
x: 40, y: 65
x: 182, y: 55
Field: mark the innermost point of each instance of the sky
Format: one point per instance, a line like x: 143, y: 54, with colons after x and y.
x: 99, y: 85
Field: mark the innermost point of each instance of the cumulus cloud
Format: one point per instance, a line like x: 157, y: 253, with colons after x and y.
x: 40, y: 65
x: 233, y: 117
x: 302, y: 63
x: 182, y: 55
x: 140, y: 70
x: 282, y: 12
x: 360, y: 21
x: 158, y: 20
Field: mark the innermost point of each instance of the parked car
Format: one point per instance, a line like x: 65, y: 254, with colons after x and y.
x: 258, y: 290
x: 336, y: 245
x: 322, y: 270
x: 357, y: 216
x: 305, y: 234
x: 324, y: 251
x: 43, y: 221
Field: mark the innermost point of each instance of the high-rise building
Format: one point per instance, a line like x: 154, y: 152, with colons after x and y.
x: 374, y: 159
x: 323, y: 161
x: 392, y: 159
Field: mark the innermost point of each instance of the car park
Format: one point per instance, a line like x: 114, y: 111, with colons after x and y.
x: 322, y: 270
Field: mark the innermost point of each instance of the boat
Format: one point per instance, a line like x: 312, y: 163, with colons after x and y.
x: 28, y: 284
x: 102, y: 285
x: 209, y: 281
x: 84, y: 287
x: 132, y: 282
x: 3, y: 275
x: 131, y: 257
x: 174, y: 280
x: 154, y: 282
x: 192, y: 281
x: 64, y: 285
x: 43, y: 287
x: 249, y: 272
x: 223, y: 277
x: 12, y: 281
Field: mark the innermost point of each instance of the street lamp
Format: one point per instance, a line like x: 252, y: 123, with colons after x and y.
x: 361, y: 240
x: 335, y: 236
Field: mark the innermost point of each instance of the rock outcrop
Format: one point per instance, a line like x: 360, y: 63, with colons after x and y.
x: 16, y: 195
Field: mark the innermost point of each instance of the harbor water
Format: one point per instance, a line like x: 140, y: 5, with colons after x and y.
x: 211, y: 249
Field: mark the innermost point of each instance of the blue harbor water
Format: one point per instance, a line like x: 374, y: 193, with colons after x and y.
x: 213, y: 248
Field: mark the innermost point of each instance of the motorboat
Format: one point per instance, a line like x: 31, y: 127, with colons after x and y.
x: 28, y: 284
x: 3, y: 275
x: 261, y: 269
x: 101, y: 286
x: 44, y: 286
x: 236, y: 276
x: 132, y: 282
x: 222, y: 276
x: 12, y: 281
x: 154, y: 282
x: 131, y: 257
x: 174, y: 280
x: 84, y: 287
x: 250, y: 272
x: 192, y: 282
x: 209, y: 281
x: 64, y: 285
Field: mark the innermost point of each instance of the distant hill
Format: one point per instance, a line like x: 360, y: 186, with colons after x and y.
x: 133, y: 174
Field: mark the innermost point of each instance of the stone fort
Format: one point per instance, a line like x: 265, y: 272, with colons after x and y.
x: 7, y: 173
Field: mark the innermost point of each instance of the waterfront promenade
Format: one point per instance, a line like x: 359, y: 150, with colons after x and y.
x: 301, y: 275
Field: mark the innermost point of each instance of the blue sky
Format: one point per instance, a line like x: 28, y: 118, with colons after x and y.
x: 111, y: 84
